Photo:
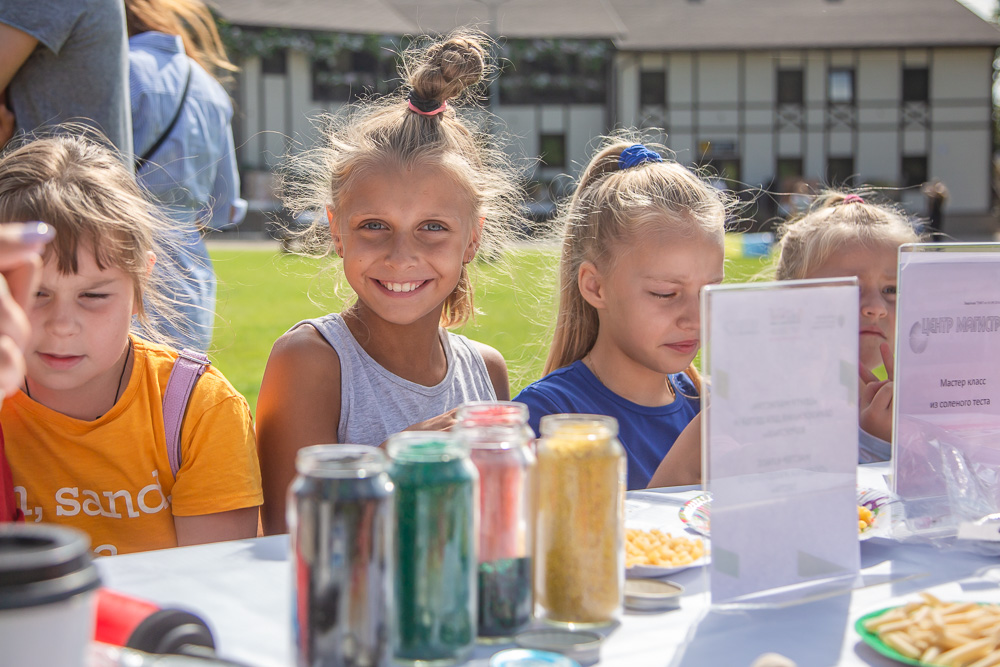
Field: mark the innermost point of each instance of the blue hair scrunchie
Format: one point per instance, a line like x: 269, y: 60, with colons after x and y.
x: 637, y: 154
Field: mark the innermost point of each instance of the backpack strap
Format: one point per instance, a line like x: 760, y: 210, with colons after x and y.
x: 190, y: 366
x: 141, y: 161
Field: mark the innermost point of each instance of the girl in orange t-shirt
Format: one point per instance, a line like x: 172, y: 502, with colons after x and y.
x: 85, y: 434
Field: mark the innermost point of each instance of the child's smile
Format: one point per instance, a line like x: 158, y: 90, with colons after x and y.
x: 405, y: 235
x: 401, y: 288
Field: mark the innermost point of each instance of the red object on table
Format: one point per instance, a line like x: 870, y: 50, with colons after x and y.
x: 9, y: 511
x: 123, y: 620
x: 119, y: 615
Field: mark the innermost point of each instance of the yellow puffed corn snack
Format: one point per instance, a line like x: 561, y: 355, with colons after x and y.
x: 654, y: 547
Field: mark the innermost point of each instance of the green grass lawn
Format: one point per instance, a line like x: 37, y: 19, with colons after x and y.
x: 263, y: 292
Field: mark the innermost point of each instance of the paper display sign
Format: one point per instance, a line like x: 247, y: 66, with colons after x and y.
x: 947, y: 397
x: 781, y: 434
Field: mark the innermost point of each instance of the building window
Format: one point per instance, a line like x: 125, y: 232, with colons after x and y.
x: 788, y: 170
x: 552, y: 150
x: 555, y: 71
x: 916, y: 84
x: 722, y: 172
x: 839, y: 170
x: 914, y: 170
x: 840, y: 86
x: 274, y: 63
x: 790, y: 86
x: 653, y: 88
x: 348, y: 73
x: 332, y: 81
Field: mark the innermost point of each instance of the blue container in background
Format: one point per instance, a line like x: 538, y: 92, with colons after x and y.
x: 757, y: 244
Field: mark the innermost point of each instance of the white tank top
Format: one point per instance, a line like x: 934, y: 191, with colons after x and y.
x: 375, y: 403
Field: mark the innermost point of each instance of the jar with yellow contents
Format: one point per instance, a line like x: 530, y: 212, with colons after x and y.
x: 580, y: 529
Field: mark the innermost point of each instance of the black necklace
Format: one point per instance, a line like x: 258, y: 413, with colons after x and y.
x: 118, y: 391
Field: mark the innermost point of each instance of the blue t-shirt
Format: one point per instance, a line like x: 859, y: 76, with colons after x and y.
x: 647, y: 433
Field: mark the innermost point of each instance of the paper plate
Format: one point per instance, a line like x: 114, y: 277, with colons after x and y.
x: 877, y: 644
x: 655, y: 572
x: 697, y: 512
x: 877, y: 501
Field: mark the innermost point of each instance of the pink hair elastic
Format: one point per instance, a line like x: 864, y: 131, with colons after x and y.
x: 433, y: 112
x: 853, y: 199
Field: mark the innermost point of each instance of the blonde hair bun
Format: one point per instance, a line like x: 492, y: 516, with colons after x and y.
x: 447, y: 69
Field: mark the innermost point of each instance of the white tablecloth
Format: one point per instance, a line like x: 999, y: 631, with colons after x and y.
x: 243, y: 589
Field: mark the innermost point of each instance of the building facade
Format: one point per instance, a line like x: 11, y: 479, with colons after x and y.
x: 839, y: 95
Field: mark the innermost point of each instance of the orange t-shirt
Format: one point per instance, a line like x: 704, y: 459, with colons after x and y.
x: 111, y: 477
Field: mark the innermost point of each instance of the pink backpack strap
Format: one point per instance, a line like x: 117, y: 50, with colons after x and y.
x: 183, y: 376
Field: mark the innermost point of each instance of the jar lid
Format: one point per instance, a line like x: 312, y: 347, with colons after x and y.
x: 491, y: 413
x: 341, y: 461
x: 526, y: 657
x: 579, y: 426
x: 652, y: 594
x: 426, y: 446
x: 581, y: 645
x: 43, y: 563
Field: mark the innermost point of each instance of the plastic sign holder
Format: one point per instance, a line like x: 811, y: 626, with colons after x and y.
x: 780, y: 440
x: 946, y: 421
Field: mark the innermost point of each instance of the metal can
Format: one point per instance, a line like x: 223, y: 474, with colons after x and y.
x: 437, y: 489
x: 341, y: 522
x: 500, y: 443
x: 580, y: 567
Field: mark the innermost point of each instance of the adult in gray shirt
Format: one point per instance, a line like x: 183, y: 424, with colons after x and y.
x: 65, y: 60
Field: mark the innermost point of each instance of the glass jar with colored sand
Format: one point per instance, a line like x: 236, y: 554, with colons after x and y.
x: 580, y: 534
x: 436, y: 512
x: 501, y: 441
x: 340, y: 521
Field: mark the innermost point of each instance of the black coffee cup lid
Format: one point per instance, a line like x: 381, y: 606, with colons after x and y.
x: 43, y: 563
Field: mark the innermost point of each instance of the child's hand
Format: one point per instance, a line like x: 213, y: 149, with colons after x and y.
x: 440, y: 423
x: 875, y: 398
x: 20, y: 271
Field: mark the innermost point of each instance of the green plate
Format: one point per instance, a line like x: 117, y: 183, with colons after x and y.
x: 873, y: 640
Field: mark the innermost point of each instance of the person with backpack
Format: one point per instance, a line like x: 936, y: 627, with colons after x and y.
x: 106, y: 433
x: 181, y: 123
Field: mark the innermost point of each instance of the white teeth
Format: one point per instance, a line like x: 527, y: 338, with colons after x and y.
x: 402, y: 287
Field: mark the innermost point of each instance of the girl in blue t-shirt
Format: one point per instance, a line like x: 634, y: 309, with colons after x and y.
x: 642, y: 236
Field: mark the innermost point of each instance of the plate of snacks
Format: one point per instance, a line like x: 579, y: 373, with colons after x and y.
x: 932, y: 632
x: 651, y: 553
x: 873, y: 520
x: 873, y: 513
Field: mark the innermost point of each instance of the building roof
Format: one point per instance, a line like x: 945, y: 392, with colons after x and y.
x: 515, y: 18
x: 646, y: 25
x: 711, y: 25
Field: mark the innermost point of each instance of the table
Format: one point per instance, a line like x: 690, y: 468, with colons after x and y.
x: 243, y: 589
